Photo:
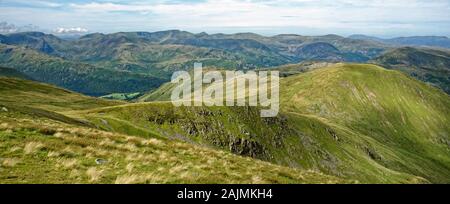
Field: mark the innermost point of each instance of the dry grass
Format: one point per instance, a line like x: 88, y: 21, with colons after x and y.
x: 130, y: 167
x: 257, y: 180
x: 152, y: 141
x: 69, y: 163
x: 15, y: 149
x: 32, y: 147
x: 132, y: 159
x: 94, y: 174
x: 10, y: 162
x: 128, y: 179
x: 53, y: 154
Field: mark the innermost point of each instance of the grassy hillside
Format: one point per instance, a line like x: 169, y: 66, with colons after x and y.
x: 353, y: 121
x: 356, y: 121
x: 289, y: 140
x: 401, y: 124
x: 19, y: 92
x: 76, y: 76
x: 431, y: 66
x: 165, y: 90
x: 43, y: 151
x: 8, y: 72
x: 39, y: 145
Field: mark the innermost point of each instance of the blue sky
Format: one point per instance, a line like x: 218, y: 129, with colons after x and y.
x: 383, y: 18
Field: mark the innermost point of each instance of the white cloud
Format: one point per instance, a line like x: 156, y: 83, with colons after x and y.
x: 310, y: 13
x: 6, y: 28
x: 74, y: 30
x: 33, y: 3
x: 321, y: 16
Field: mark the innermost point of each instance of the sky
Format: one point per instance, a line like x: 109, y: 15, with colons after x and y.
x: 382, y: 18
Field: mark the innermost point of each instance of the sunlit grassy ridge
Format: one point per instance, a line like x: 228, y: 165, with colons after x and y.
x: 403, y: 123
x: 19, y: 92
x: 291, y: 140
x: 43, y: 151
x: 355, y: 121
x: 39, y: 145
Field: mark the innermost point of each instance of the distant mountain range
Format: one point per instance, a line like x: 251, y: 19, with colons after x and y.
x: 130, y: 62
x: 432, y: 41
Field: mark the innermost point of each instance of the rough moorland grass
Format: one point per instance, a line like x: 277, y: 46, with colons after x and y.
x: 403, y: 122
x: 355, y: 121
x: 73, y: 154
x: 33, y: 94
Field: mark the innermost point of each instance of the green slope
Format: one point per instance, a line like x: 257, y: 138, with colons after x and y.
x: 43, y: 151
x: 20, y: 92
x: 38, y: 145
x: 81, y: 77
x: 289, y: 140
x: 428, y: 65
x: 400, y: 123
x: 8, y: 72
x: 356, y: 121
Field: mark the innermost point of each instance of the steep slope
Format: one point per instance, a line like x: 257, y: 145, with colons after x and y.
x: 291, y: 69
x: 42, y: 146
x: 400, y: 123
x: 80, y: 77
x: 165, y: 90
x: 356, y: 121
x: 35, y: 40
x: 319, y: 50
x: 428, y: 65
x: 289, y: 140
x: 8, y: 72
x: 327, y: 52
x: 43, y: 151
x: 20, y: 92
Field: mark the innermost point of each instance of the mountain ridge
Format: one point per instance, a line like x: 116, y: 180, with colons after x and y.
x: 433, y: 41
x: 344, y: 107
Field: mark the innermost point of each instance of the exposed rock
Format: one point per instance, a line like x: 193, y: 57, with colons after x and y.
x: 333, y: 134
x: 101, y: 161
x: 247, y: 148
x: 4, y: 109
x: 47, y: 131
x: 372, y: 154
x: 104, y: 121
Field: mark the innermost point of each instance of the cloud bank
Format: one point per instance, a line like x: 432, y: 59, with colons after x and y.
x: 77, y: 30
x: 379, y: 17
x: 6, y: 28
